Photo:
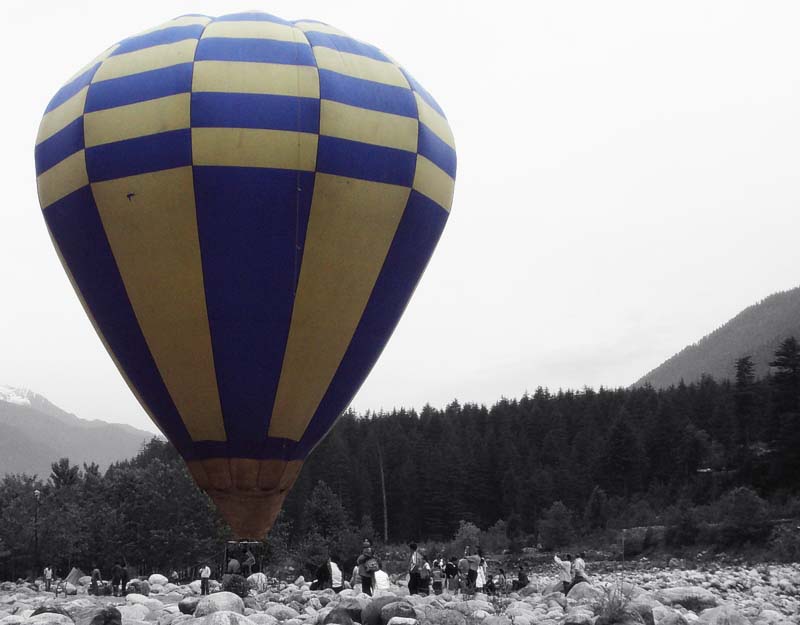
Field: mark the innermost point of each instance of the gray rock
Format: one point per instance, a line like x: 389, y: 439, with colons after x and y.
x: 108, y: 615
x: 371, y: 613
x: 263, y: 619
x: 337, y: 616
x: 51, y: 609
x: 579, y: 616
x: 50, y: 618
x: 584, y: 592
x: 157, y: 580
x: 399, y: 620
x: 690, y: 597
x: 188, y: 605
x: 447, y: 617
x: 133, y: 612
x: 400, y: 609
x: 282, y: 612
x: 224, y: 617
x: 138, y: 586
x: 722, y: 615
x: 219, y: 602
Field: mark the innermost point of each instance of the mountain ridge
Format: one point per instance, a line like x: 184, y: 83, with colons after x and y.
x: 756, y: 331
x: 34, y: 432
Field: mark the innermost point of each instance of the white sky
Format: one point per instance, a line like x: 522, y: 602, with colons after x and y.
x: 629, y: 179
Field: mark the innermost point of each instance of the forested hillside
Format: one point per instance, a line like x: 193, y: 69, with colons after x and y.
x: 756, y: 331
x: 573, y: 460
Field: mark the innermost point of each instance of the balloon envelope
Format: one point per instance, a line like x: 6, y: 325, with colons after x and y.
x: 244, y: 206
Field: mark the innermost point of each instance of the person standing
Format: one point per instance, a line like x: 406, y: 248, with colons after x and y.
x: 205, y: 575
x: 367, y: 565
x: 48, y: 577
x: 451, y: 574
x: 116, y: 579
x: 564, y: 571
x: 480, y: 579
x: 94, y: 587
x: 414, y: 568
x: 437, y: 578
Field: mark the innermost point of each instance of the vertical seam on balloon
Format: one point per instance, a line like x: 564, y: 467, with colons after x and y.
x: 311, y: 430
x: 298, y: 261
x: 197, y: 221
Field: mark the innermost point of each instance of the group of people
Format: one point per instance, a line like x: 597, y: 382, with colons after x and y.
x: 571, y: 571
x: 467, y: 575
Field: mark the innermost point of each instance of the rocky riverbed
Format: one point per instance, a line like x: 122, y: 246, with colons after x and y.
x: 762, y: 595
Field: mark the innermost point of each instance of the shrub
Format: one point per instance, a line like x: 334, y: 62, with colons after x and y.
x: 744, y: 517
x: 468, y: 534
x: 495, y: 539
x: 682, y: 526
x: 614, y: 606
x: 555, y: 529
x: 785, y: 544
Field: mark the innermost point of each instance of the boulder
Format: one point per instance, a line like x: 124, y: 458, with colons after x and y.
x: 70, y: 589
x: 133, y: 612
x: 722, y: 615
x: 497, y: 620
x: 258, y: 582
x: 579, y: 615
x: 195, y: 586
x: 399, y: 620
x: 14, y: 619
x: 669, y: 617
x: 692, y: 598
x: 225, y: 617
x: 354, y: 604
x: 263, y: 619
x: 50, y: 618
x: 584, y: 592
x: 447, y: 617
x: 188, y: 605
x: 157, y: 580
x: 644, y: 610
x: 138, y: 586
x: 397, y: 608
x: 337, y: 616
x: 51, y: 609
x: 282, y: 612
x: 371, y: 613
x: 219, y: 602
x: 85, y: 580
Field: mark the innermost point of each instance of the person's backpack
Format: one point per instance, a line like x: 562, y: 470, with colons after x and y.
x: 424, y: 572
x: 372, y: 565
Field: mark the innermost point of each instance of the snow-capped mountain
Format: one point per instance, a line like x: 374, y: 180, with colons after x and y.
x: 34, y: 432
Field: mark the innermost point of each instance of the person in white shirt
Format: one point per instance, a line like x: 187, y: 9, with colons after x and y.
x: 205, y: 575
x: 48, y: 577
x: 382, y: 579
x: 579, y: 570
x: 480, y: 580
x: 564, y: 571
x: 337, y: 578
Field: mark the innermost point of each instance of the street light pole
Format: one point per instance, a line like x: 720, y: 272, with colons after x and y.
x: 38, y: 496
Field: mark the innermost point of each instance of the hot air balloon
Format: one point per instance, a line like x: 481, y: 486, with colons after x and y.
x: 244, y: 206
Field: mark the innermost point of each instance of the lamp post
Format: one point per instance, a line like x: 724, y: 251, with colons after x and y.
x: 37, y: 494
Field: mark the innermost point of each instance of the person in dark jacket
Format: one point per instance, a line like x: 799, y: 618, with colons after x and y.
x: 116, y: 579
x: 366, y: 569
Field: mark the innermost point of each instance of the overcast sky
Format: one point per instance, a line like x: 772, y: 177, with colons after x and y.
x: 628, y: 180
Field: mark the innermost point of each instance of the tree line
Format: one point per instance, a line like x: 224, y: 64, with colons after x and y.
x: 620, y: 457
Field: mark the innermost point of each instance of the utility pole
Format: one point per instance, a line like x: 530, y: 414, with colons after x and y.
x: 37, y: 494
x: 383, y: 490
